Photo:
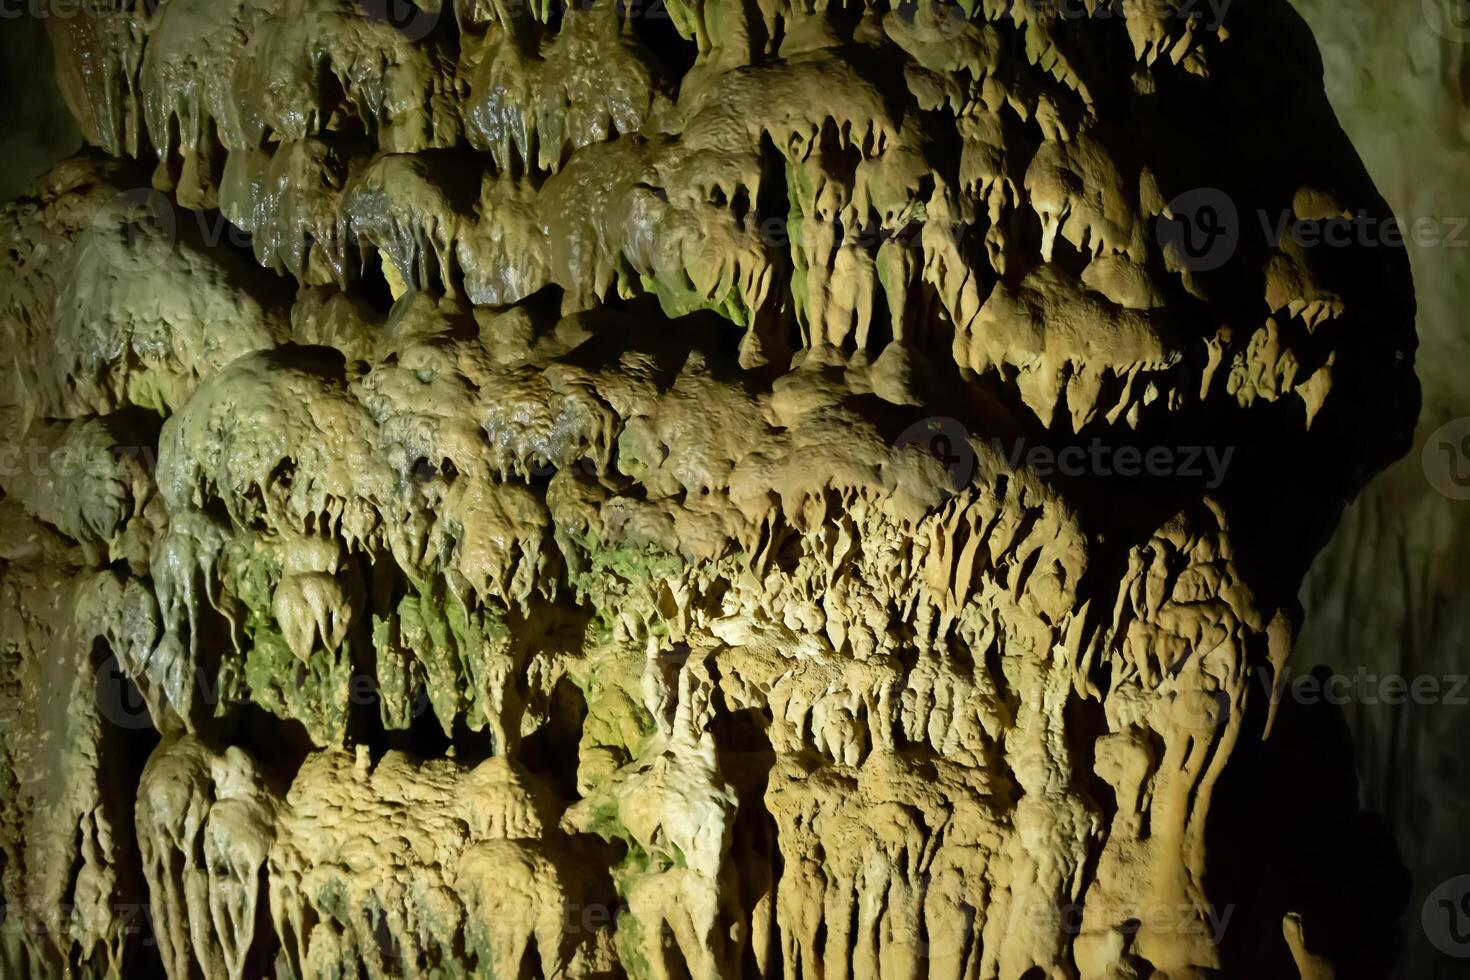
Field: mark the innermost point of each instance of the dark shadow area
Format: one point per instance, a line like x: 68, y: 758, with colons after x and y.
x: 1286, y: 835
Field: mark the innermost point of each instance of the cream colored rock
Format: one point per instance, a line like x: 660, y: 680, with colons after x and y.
x: 205, y: 825
x: 683, y: 524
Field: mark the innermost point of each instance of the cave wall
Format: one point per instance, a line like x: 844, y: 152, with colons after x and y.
x: 1386, y: 598
x: 556, y: 490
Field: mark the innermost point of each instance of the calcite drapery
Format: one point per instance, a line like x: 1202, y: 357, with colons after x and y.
x: 603, y: 494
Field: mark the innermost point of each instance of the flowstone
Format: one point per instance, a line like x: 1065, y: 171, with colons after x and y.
x: 585, y: 491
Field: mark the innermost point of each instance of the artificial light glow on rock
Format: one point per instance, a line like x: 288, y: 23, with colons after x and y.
x: 545, y: 474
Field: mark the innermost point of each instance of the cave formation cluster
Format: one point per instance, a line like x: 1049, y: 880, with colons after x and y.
x: 522, y: 489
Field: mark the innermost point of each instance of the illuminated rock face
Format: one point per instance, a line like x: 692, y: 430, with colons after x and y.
x: 747, y: 490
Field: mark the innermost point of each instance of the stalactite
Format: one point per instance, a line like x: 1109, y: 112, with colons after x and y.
x: 574, y: 507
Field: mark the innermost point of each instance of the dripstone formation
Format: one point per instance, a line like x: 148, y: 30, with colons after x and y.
x: 702, y: 489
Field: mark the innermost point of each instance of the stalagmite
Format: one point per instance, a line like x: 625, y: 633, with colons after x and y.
x: 577, y: 493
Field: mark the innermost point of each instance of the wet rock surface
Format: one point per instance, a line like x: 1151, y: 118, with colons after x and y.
x: 537, y: 491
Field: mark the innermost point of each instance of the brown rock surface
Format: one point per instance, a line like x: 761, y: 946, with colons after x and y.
x: 775, y: 490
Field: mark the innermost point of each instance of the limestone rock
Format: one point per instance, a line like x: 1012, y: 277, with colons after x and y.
x: 583, y: 495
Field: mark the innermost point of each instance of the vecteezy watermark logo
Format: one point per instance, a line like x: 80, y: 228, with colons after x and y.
x: 1450, y: 19
x: 1366, y: 231
x: 1209, y: 13
x: 87, y: 918
x: 135, y: 230
x: 120, y: 702
x: 1365, y: 687
x: 1446, y: 917
x: 948, y: 441
x: 1197, y: 702
x: 1201, y: 227
x: 1446, y: 459
x: 930, y: 22
x: 412, y: 21
x: 1097, y: 458
x: 1158, y: 918
x: 57, y: 9
x: 1199, y: 708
